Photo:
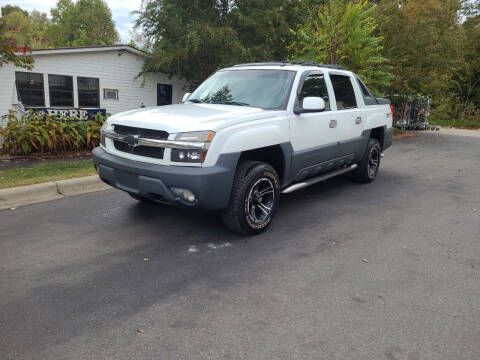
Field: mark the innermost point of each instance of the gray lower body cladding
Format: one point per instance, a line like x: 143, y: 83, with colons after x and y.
x: 388, y: 140
x: 211, y: 185
x: 313, y: 162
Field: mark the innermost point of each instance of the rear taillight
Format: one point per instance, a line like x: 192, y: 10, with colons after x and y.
x: 392, y: 110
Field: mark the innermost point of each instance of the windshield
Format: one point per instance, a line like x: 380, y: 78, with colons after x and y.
x: 267, y: 89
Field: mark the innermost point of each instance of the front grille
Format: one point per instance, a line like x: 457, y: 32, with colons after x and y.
x: 145, y: 133
x: 148, y: 151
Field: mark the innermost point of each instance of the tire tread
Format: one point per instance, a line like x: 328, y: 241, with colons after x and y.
x: 233, y: 215
x: 360, y: 174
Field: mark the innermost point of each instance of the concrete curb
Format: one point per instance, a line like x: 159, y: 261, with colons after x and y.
x: 31, y: 194
x: 82, y: 185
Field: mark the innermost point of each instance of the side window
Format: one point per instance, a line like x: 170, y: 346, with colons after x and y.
x: 61, y: 90
x: 88, y: 92
x: 344, y: 93
x: 30, y: 88
x: 367, y: 95
x: 315, y: 85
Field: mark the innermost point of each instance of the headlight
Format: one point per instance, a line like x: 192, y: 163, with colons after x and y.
x: 192, y: 155
x: 187, y: 155
x: 102, y: 137
x: 196, y: 136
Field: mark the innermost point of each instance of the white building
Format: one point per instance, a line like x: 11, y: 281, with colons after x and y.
x: 86, y: 79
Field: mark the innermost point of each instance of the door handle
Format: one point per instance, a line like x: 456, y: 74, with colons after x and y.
x: 333, y: 124
x: 358, y: 120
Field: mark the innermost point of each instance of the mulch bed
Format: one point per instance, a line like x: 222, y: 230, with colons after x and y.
x: 406, y: 135
x: 41, y: 156
x: 17, y: 162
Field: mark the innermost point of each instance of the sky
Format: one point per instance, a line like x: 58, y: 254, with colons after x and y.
x: 121, y: 10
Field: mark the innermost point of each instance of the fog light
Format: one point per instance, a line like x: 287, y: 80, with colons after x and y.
x: 185, y: 194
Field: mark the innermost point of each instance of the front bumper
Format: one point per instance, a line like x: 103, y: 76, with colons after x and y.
x: 211, y: 185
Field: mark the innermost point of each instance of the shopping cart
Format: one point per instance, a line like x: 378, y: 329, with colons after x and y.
x: 412, y: 112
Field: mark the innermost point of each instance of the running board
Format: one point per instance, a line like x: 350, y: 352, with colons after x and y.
x: 317, y: 179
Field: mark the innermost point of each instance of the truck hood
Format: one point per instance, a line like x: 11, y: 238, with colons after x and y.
x: 190, y: 117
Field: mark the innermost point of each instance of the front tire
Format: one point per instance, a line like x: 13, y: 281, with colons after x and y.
x: 368, y: 167
x: 254, y: 199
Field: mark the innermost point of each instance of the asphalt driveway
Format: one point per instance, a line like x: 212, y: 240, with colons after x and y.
x: 389, y: 270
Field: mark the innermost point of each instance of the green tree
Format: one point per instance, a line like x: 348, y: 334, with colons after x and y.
x: 189, y: 38
x: 263, y: 26
x: 40, y: 25
x: 343, y: 32
x: 7, y: 9
x: 10, y: 49
x: 466, y: 78
x: 192, y: 39
x: 85, y: 22
x: 423, y: 42
x: 29, y: 29
x: 18, y: 21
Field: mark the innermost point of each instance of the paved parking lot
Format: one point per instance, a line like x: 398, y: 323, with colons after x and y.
x: 388, y: 271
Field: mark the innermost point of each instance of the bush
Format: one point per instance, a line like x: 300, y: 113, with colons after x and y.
x: 455, y: 114
x: 40, y: 133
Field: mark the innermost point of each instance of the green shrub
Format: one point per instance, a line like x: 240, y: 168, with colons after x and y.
x: 450, y: 114
x: 40, y: 133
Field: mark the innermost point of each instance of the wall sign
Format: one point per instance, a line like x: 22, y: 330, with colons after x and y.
x: 82, y: 114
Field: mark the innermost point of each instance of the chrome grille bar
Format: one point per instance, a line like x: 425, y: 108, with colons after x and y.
x: 135, y: 140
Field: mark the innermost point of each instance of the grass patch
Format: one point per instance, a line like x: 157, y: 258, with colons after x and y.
x: 46, y: 172
x: 456, y: 123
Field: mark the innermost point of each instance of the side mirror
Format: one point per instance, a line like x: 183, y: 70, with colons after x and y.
x: 185, y: 97
x: 312, y: 104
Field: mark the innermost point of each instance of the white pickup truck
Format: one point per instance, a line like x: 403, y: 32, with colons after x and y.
x: 246, y: 135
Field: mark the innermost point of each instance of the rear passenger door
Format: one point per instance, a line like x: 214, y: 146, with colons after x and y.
x: 349, y: 115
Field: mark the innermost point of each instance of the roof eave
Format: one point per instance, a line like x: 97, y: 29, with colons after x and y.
x: 88, y: 49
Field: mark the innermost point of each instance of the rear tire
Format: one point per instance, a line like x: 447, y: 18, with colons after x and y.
x: 368, y: 167
x: 254, y: 199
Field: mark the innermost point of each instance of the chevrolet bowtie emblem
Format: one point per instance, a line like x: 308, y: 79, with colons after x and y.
x: 131, y: 140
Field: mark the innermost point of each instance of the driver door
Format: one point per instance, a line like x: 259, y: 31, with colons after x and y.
x: 313, y: 135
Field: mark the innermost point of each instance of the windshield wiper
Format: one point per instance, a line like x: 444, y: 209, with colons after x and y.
x: 234, y: 103
x: 196, y: 101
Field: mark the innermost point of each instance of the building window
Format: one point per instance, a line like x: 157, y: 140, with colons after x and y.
x: 61, y: 90
x: 88, y: 92
x: 110, y: 94
x: 30, y: 88
x: 164, y: 94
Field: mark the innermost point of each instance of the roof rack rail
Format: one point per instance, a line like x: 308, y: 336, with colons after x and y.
x: 269, y: 63
x: 313, y: 63
x: 285, y: 63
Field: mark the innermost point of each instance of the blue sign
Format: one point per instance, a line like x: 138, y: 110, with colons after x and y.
x: 82, y: 114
